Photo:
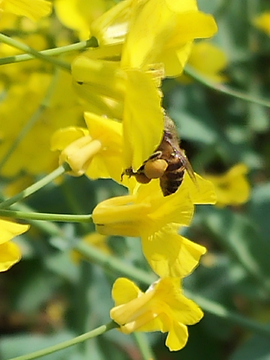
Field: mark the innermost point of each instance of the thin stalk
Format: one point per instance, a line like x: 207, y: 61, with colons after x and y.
x: 36, y: 54
x: 65, y: 344
x: 143, y: 345
x: 34, y: 118
x: 223, y: 88
x: 50, y: 52
x: 15, y: 214
x: 35, y: 187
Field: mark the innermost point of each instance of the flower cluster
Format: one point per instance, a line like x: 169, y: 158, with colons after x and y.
x: 140, y: 43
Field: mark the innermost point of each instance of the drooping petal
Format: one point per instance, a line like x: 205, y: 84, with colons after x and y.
x: 177, y: 337
x: 9, y: 255
x: 143, y: 118
x: 232, y: 187
x: 171, y: 255
x: 202, y: 191
x: 10, y: 229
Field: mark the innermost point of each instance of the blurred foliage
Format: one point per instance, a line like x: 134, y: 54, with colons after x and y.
x: 48, y: 298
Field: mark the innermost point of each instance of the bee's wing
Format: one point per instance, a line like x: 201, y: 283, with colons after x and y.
x: 188, y: 166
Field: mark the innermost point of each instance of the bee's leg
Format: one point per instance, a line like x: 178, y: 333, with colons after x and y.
x: 128, y: 172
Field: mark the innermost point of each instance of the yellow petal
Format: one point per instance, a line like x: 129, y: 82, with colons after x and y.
x: 124, y: 291
x: 104, y: 129
x: 33, y: 9
x: 79, y: 14
x: 171, y: 255
x: 63, y: 137
x: 202, y: 191
x: 262, y: 22
x: 177, y: 337
x: 111, y: 27
x: 143, y: 119
x: 9, y: 255
x: 11, y: 229
x: 209, y: 60
x: 104, y: 77
x: 232, y: 187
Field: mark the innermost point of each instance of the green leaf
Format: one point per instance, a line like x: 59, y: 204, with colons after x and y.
x: 240, y: 237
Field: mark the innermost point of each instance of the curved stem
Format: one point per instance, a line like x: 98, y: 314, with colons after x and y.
x: 45, y: 216
x: 34, y: 53
x: 224, y: 89
x: 35, y: 187
x: 65, y: 344
x: 50, y: 52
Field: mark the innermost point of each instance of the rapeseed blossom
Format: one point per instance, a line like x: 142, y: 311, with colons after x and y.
x: 156, y: 219
x: 163, y: 307
x: 9, y: 251
x: 33, y: 152
x: 231, y: 187
x: 117, y: 93
x: 154, y: 32
x: 96, y: 151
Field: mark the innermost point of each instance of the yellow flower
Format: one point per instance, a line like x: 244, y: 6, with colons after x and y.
x: 101, y: 83
x: 33, y: 153
x: 154, y: 32
x: 97, y: 152
x: 163, y: 32
x: 79, y: 14
x: 209, y: 60
x: 232, y: 187
x: 117, y: 93
x: 156, y: 219
x: 163, y: 307
x: 33, y: 9
x: 111, y: 27
x: 9, y: 252
x: 262, y: 22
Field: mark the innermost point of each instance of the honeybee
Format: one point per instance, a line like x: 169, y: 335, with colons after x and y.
x: 168, y: 162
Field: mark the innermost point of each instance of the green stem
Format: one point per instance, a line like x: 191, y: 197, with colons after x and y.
x: 65, y: 344
x: 45, y: 216
x: 143, y: 345
x: 35, y: 187
x: 224, y: 89
x: 51, y: 52
x: 34, y: 53
x: 34, y: 118
x: 111, y: 263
